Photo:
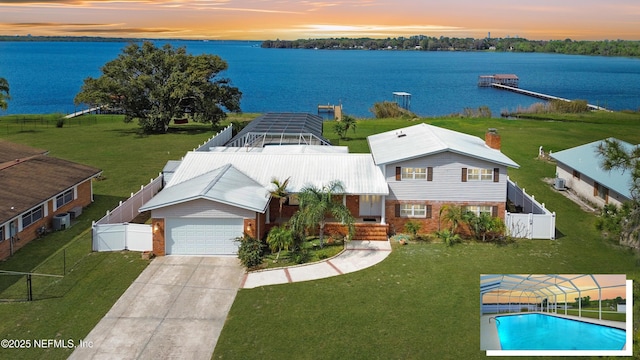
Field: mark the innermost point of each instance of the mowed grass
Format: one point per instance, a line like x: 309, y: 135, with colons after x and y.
x: 422, y: 302
x: 68, y: 308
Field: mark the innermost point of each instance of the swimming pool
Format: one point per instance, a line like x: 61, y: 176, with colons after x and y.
x: 546, y: 332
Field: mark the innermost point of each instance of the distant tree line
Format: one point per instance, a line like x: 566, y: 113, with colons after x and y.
x: 442, y: 43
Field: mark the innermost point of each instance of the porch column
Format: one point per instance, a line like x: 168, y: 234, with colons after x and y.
x: 268, y: 214
x: 344, y: 199
x: 384, y: 209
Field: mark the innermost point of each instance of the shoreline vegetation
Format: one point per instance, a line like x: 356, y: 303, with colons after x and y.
x: 626, y: 48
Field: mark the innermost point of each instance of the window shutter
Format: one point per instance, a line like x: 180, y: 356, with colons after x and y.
x: 398, y: 173
x: 595, y: 188
x: 494, y: 211
x: 397, y: 210
x: 429, y: 174
x: 464, y: 174
x: 496, y: 174
x: 428, y: 211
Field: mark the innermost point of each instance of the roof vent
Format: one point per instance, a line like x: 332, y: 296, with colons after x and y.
x: 401, y: 134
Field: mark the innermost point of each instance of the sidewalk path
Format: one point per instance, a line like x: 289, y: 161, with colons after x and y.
x: 358, y: 255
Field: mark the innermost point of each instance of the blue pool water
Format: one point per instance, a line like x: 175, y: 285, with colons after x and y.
x: 545, y: 332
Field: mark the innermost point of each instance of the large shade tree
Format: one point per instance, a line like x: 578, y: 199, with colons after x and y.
x: 4, y: 93
x: 157, y: 84
x: 317, y: 205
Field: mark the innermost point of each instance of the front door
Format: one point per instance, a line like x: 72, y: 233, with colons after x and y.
x: 370, y: 205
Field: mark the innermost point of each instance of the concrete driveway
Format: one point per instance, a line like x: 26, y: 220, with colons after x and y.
x: 175, y: 309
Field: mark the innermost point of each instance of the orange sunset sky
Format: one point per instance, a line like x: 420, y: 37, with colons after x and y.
x: 284, y: 19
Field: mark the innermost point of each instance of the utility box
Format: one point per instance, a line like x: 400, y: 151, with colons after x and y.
x: 61, y: 221
x: 559, y: 184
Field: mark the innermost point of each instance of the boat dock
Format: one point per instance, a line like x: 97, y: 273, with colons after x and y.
x: 87, y: 111
x: 510, y: 82
x: 541, y: 95
x: 336, y: 110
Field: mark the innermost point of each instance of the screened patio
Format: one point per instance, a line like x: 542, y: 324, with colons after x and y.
x: 549, y: 292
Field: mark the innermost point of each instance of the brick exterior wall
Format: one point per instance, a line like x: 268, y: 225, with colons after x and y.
x: 396, y: 224
x: 159, y: 234
x: 31, y: 232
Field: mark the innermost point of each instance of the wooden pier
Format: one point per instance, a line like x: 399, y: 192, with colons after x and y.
x: 502, y: 79
x: 540, y: 95
x: 87, y: 111
x: 336, y: 110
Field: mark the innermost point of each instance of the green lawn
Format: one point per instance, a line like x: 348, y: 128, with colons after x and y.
x: 69, y: 308
x: 422, y: 302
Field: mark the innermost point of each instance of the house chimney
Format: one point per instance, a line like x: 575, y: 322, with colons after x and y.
x: 492, y: 139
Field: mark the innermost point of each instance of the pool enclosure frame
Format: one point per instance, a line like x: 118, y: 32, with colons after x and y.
x: 541, y: 287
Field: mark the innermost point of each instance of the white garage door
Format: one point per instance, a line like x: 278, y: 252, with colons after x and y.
x: 203, y: 236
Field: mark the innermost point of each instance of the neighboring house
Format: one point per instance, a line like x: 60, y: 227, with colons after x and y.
x: 428, y: 167
x: 214, y: 197
x: 34, y: 188
x: 581, y: 169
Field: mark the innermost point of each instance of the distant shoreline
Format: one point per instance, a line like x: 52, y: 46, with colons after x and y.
x: 30, y: 38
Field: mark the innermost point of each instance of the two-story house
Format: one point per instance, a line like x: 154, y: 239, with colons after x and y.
x: 427, y: 167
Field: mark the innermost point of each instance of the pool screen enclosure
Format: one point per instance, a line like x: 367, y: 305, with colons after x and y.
x: 546, y: 292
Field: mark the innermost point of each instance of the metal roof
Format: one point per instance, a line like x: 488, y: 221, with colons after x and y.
x: 281, y: 128
x: 546, y: 285
x: 585, y: 159
x: 224, y: 184
x: 423, y: 139
x: 357, y: 172
x: 285, y: 149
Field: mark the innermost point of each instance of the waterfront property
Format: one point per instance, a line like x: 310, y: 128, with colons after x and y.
x: 511, y: 80
x: 38, y: 193
x: 581, y: 171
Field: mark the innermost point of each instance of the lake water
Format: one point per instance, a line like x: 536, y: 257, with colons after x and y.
x: 44, y: 77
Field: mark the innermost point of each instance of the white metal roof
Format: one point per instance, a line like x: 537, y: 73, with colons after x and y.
x: 224, y: 184
x: 585, y: 159
x: 357, y: 172
x: 423, y: 139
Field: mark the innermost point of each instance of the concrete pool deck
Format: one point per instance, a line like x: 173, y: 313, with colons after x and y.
x: 489, y: 333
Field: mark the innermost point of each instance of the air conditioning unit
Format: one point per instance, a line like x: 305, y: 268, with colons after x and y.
x: 559, y: 184
x: 61, y: 221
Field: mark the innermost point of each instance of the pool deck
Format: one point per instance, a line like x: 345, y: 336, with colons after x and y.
x: 489, y: 332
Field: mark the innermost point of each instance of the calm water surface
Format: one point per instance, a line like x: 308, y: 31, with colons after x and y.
x: 45, y: 77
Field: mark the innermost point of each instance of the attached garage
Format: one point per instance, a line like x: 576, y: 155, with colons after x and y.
x: 190, y: 236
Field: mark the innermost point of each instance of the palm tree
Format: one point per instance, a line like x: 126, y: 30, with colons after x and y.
x: 4, y: 93
x: 453, y: 214
x: 279, y: 238
x: 349, y: 123
x: 280, y: 192
x: 318, y: 203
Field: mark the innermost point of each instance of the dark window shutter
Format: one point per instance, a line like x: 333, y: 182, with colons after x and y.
x: 428, y: 211
x: 595, y: 189
x: 397, y: 210
x: 494, y: 211
x: 429, y: 174
x: 398, y: 173
x: 464, y: 174
x: 496, y: 174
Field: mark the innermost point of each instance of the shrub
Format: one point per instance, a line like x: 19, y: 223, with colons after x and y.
x: 448, y: 237
x: 413, y: 227
x: 389, y: 109
x: 60, y: 122
x: 250, y: 251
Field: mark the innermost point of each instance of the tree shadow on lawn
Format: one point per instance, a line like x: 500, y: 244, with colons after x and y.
x: 187, y: 130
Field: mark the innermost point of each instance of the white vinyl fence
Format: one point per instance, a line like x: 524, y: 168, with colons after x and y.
x: 218, y: 139
x: 534, y: 221
x: 114, y: 232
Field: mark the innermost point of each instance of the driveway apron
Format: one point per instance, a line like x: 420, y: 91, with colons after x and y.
x: 176, y: 308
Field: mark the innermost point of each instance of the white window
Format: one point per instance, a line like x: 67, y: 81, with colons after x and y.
x: 479, y: 174
x: 413, y: 210
x: 32, y: 216
x: 64, y: 198
x: 409, y: 173
x: 480, y: 209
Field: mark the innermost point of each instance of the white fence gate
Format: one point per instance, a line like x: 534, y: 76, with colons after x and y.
x: 534, y: 222
x: 115, y: 237
x: 114, y: 232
